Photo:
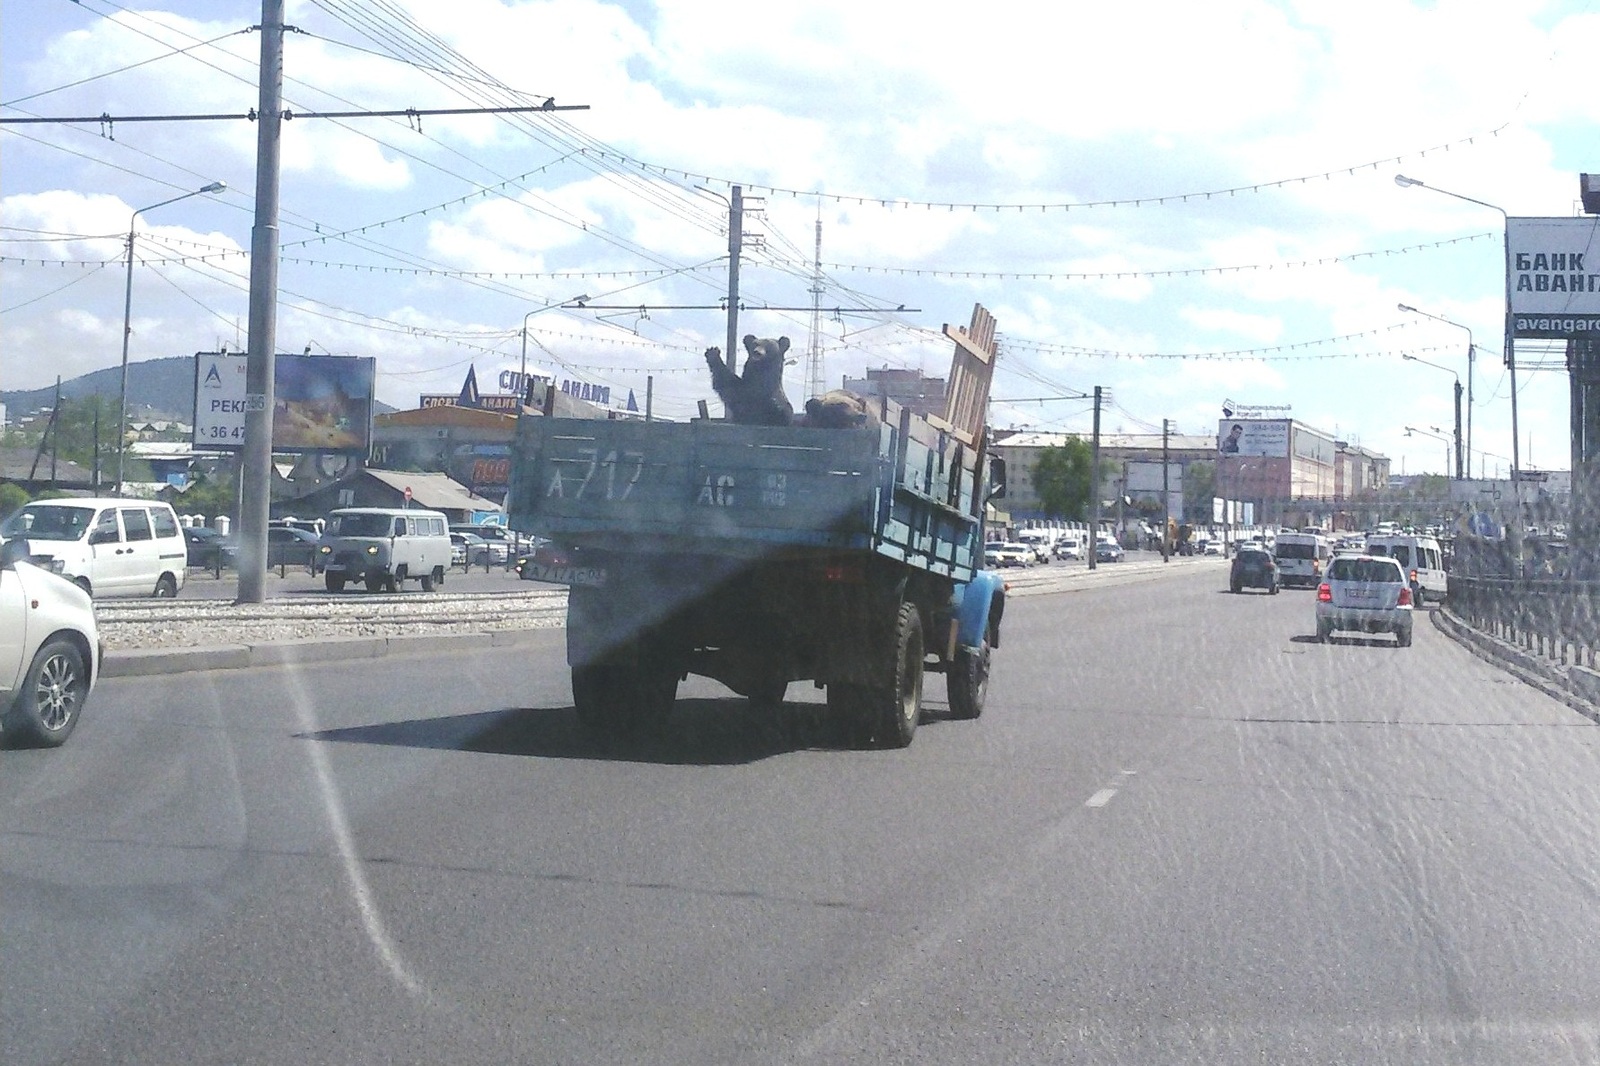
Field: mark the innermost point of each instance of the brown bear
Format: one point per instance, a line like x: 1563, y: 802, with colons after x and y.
x: 756, y: 397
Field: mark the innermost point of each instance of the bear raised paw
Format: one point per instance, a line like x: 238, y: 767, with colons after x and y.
x: 756, y: 397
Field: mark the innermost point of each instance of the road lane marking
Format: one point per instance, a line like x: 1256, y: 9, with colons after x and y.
x: 1101, y: 798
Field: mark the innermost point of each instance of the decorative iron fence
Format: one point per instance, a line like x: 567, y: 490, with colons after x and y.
x: 1550, y: 617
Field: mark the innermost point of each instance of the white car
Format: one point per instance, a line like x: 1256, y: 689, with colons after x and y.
x: 50, y: 650
x: 1009, y: 553
x: 1365, y: 593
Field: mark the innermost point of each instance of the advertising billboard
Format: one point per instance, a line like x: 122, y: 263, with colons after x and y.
x: 321, y: 403
x: 1240, y: 436
x: 1554, y: 285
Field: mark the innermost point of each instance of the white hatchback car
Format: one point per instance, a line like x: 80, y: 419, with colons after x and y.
x: 50, y: 652
x: 1366, y: 593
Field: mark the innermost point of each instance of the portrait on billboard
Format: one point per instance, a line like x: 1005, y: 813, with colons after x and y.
x: 1268, y: 438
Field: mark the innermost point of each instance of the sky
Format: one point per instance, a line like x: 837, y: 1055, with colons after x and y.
x: 1185, y: 204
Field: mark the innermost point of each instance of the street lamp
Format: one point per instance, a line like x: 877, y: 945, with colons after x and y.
x: 522, y: 375
x: 1452, y: 373
x: 1511, y: 355
x: 1471, y: 358
x: 1437, y: 434
x: 127, y: 324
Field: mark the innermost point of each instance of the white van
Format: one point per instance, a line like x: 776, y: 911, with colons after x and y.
x: 1420, y: 557
x: 382, y: 547
x: 109, y: 547
x: 1301, y: 558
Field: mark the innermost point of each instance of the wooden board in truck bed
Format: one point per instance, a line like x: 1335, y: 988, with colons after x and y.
x: 710, y: 487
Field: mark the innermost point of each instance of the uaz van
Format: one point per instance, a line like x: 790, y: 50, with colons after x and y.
x: 109, y: 547
x: 382, y: 547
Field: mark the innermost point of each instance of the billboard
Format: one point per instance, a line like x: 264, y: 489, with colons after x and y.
x: 321, y: 403
x: 1241, y: 436
x: 1554, y: 282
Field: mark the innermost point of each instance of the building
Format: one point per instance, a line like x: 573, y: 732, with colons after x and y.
x: 1287, y: 473
x: 908, y: 388
x: 389, y: 488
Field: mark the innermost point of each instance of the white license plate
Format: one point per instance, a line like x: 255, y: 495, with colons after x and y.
x: 568, y: 575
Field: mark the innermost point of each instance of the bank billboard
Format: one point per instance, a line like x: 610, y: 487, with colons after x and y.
x: 1254, y: 437
x: 321, y: 403
x: 1554, y: 283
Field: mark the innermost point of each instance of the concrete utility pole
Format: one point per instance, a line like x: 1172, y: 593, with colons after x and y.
x: 735, y: 242
x: 1094, y: 484
x: 256, y: 474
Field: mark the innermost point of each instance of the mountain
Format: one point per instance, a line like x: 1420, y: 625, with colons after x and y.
x: 157, y: 389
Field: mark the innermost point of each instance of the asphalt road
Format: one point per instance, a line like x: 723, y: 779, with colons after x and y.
x: 1181, y: 833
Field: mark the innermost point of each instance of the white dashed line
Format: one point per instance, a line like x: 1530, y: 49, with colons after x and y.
x: 1101, y: 798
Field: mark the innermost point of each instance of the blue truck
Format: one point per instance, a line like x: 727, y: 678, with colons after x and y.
x: 764, y: 555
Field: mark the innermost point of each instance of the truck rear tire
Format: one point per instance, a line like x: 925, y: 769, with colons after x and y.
x: 967, y: 682
x: 333, y: 582
x: 886, y: 714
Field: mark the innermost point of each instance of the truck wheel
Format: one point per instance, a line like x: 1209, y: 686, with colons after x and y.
x: 166, y: 587
x: 333, y: 582
x: 890, y: 711
x: 428, y: 580
x: 375, y: 582
x: 47, y: 705
x: 968, y: 682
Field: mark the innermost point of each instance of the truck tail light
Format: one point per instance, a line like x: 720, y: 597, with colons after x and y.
x: 1324, y: 593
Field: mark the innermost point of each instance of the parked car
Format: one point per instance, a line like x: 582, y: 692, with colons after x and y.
x: 1007, y: 553
x: 1253, y: 567
x: 1365, y: 593
x: 1069, y: 546
x: 469, y: 549
x: 292, y: 546
x: 1108, y: 551
x: 50, y: 651
x: 497, y: 541
x: 209, y: 549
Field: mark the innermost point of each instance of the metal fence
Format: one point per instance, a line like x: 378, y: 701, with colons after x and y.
x: 1550, y: 617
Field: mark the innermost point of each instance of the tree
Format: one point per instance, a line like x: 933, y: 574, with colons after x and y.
x: 1061, y: 479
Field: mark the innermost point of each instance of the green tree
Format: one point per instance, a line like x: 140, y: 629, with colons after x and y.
x: 1061, y: 479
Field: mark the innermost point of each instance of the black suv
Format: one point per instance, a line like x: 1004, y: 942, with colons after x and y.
x: 1253, y: 568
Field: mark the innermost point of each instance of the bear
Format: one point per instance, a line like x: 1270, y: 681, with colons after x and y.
x: 755, y: 398
x: 839, y: 409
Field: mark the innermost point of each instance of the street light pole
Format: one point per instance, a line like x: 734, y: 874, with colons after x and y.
x: 127, y: 324
x: 522, y: 374
x: 1453, y: 374
x: 1471, y: 359
x: 1436, y: 436
x: 1510, y: 349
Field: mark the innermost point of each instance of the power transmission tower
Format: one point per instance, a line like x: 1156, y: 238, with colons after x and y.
x: 814, y: 374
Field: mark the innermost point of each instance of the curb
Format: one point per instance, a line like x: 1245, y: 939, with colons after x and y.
x: 146, y: 662
x: 1576, y: 686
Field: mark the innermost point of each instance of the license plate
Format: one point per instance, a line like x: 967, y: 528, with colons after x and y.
x: 568, y: 575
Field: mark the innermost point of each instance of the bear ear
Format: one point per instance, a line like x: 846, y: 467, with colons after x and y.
x: 783, y: 345
x: 750, y: 342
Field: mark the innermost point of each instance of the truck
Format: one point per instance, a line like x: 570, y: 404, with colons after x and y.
x: 761, y: 555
